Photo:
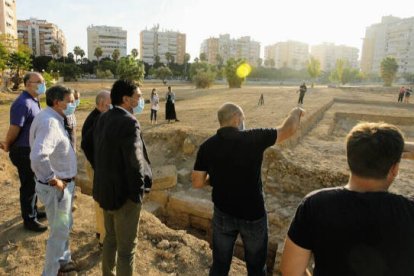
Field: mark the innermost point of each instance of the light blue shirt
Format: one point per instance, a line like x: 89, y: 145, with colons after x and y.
x: 52, y: 155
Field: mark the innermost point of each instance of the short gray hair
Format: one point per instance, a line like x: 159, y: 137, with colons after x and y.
x: 102, y: 96
x: 227, y: 111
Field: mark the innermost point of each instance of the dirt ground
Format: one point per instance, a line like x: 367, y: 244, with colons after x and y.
x: 22, y: 252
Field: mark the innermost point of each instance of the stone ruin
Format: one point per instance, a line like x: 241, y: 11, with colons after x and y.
x: 314, y: 158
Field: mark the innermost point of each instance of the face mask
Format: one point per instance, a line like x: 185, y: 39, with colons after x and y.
x: 41, y: 88
x: 111, y: 106
x: 241, y: 125
x: 140, y: 107
x: 77, y: 102
x: 70, y: 109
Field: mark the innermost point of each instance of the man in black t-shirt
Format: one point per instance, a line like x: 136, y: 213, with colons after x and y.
x: 361, y: 228
x: 230, y: 162
x: 302, y: 91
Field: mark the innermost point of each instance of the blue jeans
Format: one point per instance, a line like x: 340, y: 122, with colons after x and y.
x: 254, y: 236
x: 58, y: 206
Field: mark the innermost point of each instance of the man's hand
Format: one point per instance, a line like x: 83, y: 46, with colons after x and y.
x: 290, y: 125
x: 4, y: 146
x: 57, y: 183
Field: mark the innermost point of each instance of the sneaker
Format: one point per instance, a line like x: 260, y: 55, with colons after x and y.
x: 35, y: 226
x: 68, y: 267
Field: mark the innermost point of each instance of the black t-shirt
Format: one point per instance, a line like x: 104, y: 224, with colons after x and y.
x: 233, y: 159
x: 353, y: 233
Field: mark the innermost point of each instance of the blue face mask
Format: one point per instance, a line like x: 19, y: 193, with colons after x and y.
x: 41, y: 88
x: 77, y: 102
x: 70, y: 109
x: 140, y: 107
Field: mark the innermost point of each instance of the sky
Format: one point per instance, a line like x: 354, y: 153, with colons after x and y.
x: 266, y: 21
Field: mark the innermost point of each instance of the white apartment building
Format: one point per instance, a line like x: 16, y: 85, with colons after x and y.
x: 329, y: 53
x: 394, y: 37
x: 108, y: 39
x: 290, y: 54
x: 226, y: 48
x: 8, y: 22
x: 39, y: 35
x: 154, y: 43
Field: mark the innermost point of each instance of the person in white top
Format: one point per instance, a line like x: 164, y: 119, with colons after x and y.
x: 155, y: 101
x: 53, y: 161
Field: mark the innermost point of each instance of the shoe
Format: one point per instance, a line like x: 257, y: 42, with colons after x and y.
x: 35, y: 226
x: 68, y: 267
x: 41, y: 215
x: 177, y: 120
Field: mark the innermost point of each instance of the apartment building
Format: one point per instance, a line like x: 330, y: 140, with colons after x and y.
x: 154, y: 42
x: 108, y: 39
x: 8, y: 23
x: 394, y: 37
x: 329, y: 53
x: 39, y: 35
x: 290, y: 54
x: 226, y: 47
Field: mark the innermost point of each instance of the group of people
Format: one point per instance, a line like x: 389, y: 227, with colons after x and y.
x: 170, y: 114
x: 360, y: 228
x: 404, y: 94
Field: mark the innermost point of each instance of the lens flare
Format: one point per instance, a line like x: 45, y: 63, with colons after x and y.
x: 243, y: 70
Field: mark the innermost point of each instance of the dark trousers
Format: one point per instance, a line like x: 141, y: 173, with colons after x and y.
x: 301, y: 96
x: 400, y: 97
x: 254, y: 236
x: 153, y: 114
x: 20, y: 158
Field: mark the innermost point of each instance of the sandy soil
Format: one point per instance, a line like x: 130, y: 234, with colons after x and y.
x: 22, y: 252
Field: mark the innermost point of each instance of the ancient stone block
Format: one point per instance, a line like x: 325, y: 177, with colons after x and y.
x: 164, y: 177
x: 160, y: 197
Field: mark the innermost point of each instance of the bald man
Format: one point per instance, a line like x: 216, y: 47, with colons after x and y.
x: 103, y: 103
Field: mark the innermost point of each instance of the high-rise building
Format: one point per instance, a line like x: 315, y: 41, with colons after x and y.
x: 394, y: 37
x: 155, y: 43
x: 108, y: 39
x: 39, y: 35
x: 8, y: 23
x: 291, y: 54
x: 329, y: 53
x: 225, y: 48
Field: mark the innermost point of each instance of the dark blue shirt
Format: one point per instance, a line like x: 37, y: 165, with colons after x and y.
x: 233, y: 160
x: 22, y: 112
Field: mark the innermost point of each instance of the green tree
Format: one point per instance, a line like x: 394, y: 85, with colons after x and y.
x: 98, y: 53
x: 204, y: 79
x: 170, y: 58
x: 337, y: 73
x: 19, y: 62
x: 230, y: 71
x: 69, y: 71
x: 131, y: 69
x: 116, y: 54
x: 187, y: 58
x: 259, y: 62
x: 163, y: 73
x: 389, y: 69
x: 77, y: 51
x: 4, y: 57
x: 82, y: 54
x: 54, y: 49
x: 203, y: 57
x: 134, y: 53
x: 314, y: 69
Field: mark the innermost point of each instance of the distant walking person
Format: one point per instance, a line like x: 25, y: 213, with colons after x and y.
x: 302, y: 91
x: 401, y: 94
x: 22, y: 112
x: 170, y: 106
x: 407, y: 95
x: 261, y: 100
x: 155, y: 100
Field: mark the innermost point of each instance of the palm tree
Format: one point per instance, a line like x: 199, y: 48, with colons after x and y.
x: 169, y: 57
x: 116, y: 54
x: 77, y: 51
x: 389, y: 69
x: 186, y: 60
x: 54, y: 49
x: 98, y: 53
x: 134, y: 53
x: 203, y: 57
x: 82, y: 54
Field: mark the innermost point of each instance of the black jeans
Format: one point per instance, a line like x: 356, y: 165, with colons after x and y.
x: 153, y: 114
x: 20, y: 157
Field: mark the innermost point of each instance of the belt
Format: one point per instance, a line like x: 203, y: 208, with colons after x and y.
x: 66, y: 180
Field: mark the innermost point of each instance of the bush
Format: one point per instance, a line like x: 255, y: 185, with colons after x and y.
x: 48, y: 79
x: 104, y: 74
x: 204, y: 79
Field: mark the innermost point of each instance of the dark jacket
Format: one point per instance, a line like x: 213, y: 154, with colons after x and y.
x: 87, y: 135
x: 122, y: 167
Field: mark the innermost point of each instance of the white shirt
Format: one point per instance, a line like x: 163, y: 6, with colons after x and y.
x: 52, y: 155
